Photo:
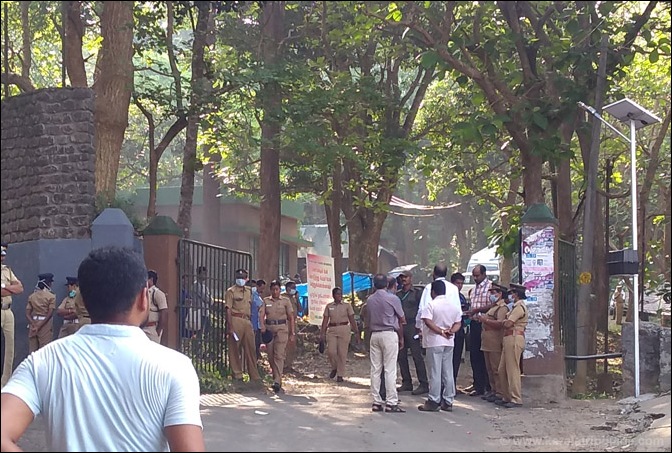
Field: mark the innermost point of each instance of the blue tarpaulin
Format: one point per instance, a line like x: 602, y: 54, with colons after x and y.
x: 361, y: 282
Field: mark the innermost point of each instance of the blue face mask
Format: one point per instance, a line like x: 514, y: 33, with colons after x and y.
x: 292, y: 291
x: 511, y: 299
x: 240, y: 281
x: 254, y: 290
x: 72, y: 293
x: 493, y: 298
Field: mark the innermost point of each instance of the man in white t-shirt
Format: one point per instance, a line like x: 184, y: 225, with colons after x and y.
x: 107, y: 387
x: 441, y: 318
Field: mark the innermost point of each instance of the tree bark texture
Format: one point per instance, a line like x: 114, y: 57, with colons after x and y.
x: 332, y: 209
x: 272, y: 32
x: 113, y: 84
x: 74, y: 33
x: 189, y: 158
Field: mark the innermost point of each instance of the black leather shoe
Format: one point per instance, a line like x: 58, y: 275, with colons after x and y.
x: 276, y: 387
x: 429, y: 406
x: 405, y: 388
x: 332, y: 374
x: 511, y: 405
x: 339, y: 379
x: 445, y: 406
x: 420, y: 390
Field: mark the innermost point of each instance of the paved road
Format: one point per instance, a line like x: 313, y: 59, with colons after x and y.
x: 339, y: 420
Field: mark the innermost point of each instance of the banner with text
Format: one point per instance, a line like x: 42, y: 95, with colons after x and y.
x: 320, y: 272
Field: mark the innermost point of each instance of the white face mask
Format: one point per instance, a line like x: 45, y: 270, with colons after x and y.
x: 493, y: 298
x: 292, y: 291
x: 254, y: 290
x: 240, y: 281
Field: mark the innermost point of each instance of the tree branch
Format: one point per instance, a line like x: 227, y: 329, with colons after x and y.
x: 24, y: 84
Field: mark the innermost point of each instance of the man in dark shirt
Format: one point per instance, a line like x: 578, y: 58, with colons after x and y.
x: 386, y: 319
x: 457, y: 279
x: 410, y: 301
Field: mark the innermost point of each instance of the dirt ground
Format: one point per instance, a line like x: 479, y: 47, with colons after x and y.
x: 571, y: 425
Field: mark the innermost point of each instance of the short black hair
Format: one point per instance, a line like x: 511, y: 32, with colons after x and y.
x: 440, y: 270
x: 380, y: 281
x: 261, y: 282
x: 391, y: 283
x: 336, y: 289
x: 456, y: 276
x: 273, y: 283
x: 106, y: 297
x: 290, y: 284
x: 481, y: 269
x: 438, y: 288
x: 153, y: 275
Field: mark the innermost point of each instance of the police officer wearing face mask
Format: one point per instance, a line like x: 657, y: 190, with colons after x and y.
x: 240, y: 336
x: 39, y: 311
x: 67, y: 310
x: 291, y: 294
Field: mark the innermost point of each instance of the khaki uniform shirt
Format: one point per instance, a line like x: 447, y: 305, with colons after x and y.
x: 68, y: 303
x: 7, y: 278
x: 338, y: 313
x: 278, y: 309
x: 41, y: 301
x: 518, y: 315
x: 157, y: 302
x: 238, y: 299
x: 293, y: 299
x: 80, y: 308
x: 491, y: 338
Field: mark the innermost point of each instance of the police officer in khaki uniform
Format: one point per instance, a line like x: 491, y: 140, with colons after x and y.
x: 337, y: 322
x: 158, y: 309
x: 240, y: 335
x: 67, y: 309
x: 512, y: 348
x: 277, y: 316
x: 39, y: 311
x: 82, y: 313
x: 290, y: 293
x: 492, y: 336
x: 10, y: 285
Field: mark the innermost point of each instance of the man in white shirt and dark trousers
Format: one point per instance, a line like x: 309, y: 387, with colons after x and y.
x: 107, y: 387
x: 442, y: 317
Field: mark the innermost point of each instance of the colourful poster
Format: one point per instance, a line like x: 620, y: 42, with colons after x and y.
x: 320, y: 272
x: 538, y: 275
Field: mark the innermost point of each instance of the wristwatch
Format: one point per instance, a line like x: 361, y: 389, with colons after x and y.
x: 3, y: 286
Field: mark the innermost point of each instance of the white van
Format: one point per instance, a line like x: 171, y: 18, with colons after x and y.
x: 488, y: 258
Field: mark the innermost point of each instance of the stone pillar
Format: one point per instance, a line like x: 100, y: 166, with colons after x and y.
x: 112, y: 227
x: 48, y: 191
x: 160, y: 242
x: 544, y: 367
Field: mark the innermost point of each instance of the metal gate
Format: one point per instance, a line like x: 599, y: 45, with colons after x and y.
x: 567, y: 292
x: 206, y: 271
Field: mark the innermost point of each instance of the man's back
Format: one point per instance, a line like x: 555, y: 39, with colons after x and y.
x: 108, y: 388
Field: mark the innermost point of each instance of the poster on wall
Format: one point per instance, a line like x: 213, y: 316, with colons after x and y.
x: 320, y: 272
x: 538, y: 275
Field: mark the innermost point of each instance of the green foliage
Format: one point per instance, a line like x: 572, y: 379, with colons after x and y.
x: 212, y: 382
x: 126, y: 205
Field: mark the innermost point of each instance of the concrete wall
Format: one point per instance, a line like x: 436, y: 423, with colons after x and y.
x: 48, y: 158
x: 654, y: 358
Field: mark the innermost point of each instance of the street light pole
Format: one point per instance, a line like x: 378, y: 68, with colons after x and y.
x: 635, y: 240
x: 636, y: 116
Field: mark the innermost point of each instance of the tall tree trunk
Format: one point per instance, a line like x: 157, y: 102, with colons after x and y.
x: 532, y: 166
x: 27, y: 38
x: 211, y: 202
x: 586, y: 303
x: 113, y: 84
x: 198, y: 88
x: 272, y: 28
x: 563, y: 185
x: 333, y: 211
x: 74, y: 33
x: 363, y: 238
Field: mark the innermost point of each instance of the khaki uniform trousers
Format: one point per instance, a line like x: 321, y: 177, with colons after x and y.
x: 151, y: 334
x: 41, y: 338
x: 277, y: 350
x: 509, y: 368
x: 492, y: 360
x: 68, y: 328
x: 8, y: 334
x: 244, y: 348
x: 338, y: 343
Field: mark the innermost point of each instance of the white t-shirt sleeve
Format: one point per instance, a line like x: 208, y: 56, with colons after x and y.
x: 23, y: 384
x: 184, y: 397
x: 424, y: 301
